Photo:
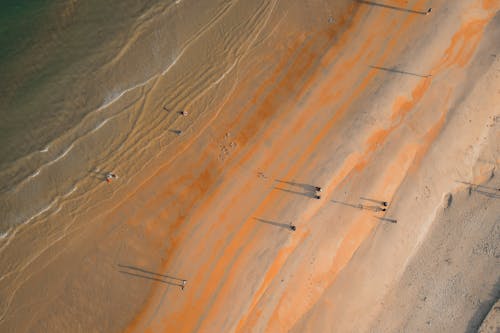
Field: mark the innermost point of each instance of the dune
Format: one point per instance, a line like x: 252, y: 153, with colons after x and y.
x: 371, y: 101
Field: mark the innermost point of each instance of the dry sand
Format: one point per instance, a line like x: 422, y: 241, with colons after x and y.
x: 383, y: 103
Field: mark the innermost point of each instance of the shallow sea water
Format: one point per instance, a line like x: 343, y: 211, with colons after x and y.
x: 84, y: 86
x: 67, y: 69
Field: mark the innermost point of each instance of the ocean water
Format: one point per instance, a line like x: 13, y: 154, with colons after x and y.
x: 64, y: 65
x: 54, y: 72
x: 83, y: 86
x: 51, y: 53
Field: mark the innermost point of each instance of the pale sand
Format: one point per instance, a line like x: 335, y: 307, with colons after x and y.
x: 305, y: 107
x: 492, y: 320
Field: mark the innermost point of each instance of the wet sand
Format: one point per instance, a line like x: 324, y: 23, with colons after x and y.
x: 383, y: 103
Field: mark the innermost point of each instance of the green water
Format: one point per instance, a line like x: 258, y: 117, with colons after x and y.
x: 19, y: 23
x: 50, y: 53
x: 19, y: 20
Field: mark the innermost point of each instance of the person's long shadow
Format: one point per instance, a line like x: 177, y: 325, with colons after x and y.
x: 306, y: 187
x: 99, y: 174
x: 394, y: 70
x: 281, y: 225
x: 358, y: 206
x: 306, y: 194
x: 149, y: 272
x: 401, y: 9
x: 152, y: 278
x: 386, y: 219
x: 379, y: 202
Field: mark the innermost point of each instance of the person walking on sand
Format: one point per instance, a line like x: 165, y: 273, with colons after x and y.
x: 110, y: 176
x: 183, y: 284
x: 317, y: 188
x: 292, y: 227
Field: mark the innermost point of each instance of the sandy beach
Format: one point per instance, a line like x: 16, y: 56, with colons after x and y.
x: 371, y: 101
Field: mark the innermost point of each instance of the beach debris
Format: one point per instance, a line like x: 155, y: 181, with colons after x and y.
x: 331, y: 20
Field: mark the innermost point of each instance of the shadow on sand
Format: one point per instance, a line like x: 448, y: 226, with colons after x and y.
x: 358, y: 206
x: 305, y: 187
x: 394, y: 70
x: 101, y: 175
x: 401, y: 9
x: 281, y: 225
x: 386, y: 219
x: 378, y: 202
x: 152, y: 278
x: 361, y: 206
x: 306, y: 194
x: 149, y: 272
x: 148, y: 275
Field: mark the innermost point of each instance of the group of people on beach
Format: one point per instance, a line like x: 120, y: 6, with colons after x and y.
x: 381, y: 206
x: 317, y: 190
